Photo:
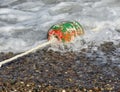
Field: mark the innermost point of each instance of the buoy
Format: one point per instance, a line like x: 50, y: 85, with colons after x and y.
x: 66, y: 31
x: 63, y: 32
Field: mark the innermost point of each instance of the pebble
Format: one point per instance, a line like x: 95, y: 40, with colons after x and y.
x: 63, y: 90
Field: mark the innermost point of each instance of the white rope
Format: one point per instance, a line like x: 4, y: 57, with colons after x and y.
x: 27, y: 52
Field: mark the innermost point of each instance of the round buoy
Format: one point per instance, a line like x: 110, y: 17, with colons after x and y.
x: 65, y: 31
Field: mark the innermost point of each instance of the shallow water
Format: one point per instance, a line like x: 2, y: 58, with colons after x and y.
x: 25, y: 23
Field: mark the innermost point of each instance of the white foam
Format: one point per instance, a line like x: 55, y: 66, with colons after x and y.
x: 25, y: 23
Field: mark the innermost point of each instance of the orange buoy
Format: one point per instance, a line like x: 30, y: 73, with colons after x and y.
x: 66, y: 31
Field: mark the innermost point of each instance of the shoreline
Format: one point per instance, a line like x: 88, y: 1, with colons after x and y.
x: 51, y: 71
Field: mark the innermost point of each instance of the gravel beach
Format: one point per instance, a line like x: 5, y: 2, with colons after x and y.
x: 95, y: 69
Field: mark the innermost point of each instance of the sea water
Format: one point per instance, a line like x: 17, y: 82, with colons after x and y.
x: 25, y: 23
